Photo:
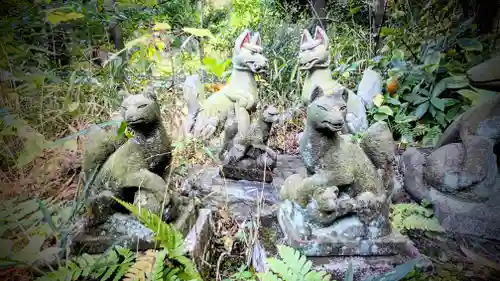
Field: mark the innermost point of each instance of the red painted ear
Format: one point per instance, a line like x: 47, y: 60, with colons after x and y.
x: 306, y: 37
x: 245, y: 40
x: 318, y: 35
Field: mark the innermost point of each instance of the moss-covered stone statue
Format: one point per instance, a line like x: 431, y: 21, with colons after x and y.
x: 135, y: 169
x: 240, y: 93
x: 346, y: 194
x: 249, y: 157
x: 460, y: 177
x: 314, y: 58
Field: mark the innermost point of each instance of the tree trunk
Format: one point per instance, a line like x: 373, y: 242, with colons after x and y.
x: 318, y: 9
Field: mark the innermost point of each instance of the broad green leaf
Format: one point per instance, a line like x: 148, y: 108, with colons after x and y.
x: 415, y: 99
x: 141, y: 40
x: 380, y: 117
x: 393, y: 101
x: 384, y: 109
x: 441, y: 118
x: 32, y: 148
x: 385, y: 31
x: 161, y: 26
x: 398, y: 54
x: 470, y: 44
x: 209, y: 61
x: 471, y: 95
x: 457, y: 82
x: 439, y: 88
x: 421, y: 109
x: 432, y: 60
x: 354, y: 10
x: 56, y: 17
x: 485, y: 94
x: 122, y: 128
x: 404, y: 118
x: 378, y: 100
x: 29, y: 254
x: 199, y: 32
x: 438, y: 103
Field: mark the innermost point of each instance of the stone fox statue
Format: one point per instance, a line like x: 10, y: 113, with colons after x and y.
x: 240, y: 92
x: 314, y: 58
x: 335, y: 163
x: 464, y: 160
x: 130, y: 169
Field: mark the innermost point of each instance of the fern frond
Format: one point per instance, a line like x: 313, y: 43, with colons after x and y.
x: 419, y: 130
x: 100, y: 267
x: 167, y: 235
x: 143, y: 265
x: 170, y: 239
x: 420, y: 222
x: 292, y: 267
x: 407, y: 216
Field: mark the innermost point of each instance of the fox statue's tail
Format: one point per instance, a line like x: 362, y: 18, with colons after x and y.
x: 193, y: 90
x: 378, y: 144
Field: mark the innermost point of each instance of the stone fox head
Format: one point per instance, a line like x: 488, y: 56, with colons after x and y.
x: 326, y: 113
x: 314, y: 52
x: 141, y: 109
x: 248, y: 53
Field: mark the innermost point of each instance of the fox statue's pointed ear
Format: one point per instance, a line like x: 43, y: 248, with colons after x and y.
x: 320, y: 34
x: 316, y: 93
x: 256, y: 39
x: 150, y: 92
x: 306, y: 37
x: 345, y: 95
x: 242, y: 39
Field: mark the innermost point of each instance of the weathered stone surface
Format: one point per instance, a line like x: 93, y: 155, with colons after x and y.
x: 343, y: 238
x: 246, y: 155
x: 197, y: 242
x: 126, y: 231
x: 369, y: 87
x: 455, y: 213
x: 249, y: 174
x: 486, y: 75
x: 365, y: 267
x: 121, y: 230
x: 242, y: 196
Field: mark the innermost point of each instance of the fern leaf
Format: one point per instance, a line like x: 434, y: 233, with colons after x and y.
x: 168, y: 236
x: 419, y: 222
x: 306, y: 268
x: 143, y: 264
x: 159, y: 265
x: 269, y: 276
x: 281, y: 269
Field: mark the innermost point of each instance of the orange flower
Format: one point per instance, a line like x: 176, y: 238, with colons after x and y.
x: 392, y: 87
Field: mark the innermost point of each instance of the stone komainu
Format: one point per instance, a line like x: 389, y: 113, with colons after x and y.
x: 133, y: 169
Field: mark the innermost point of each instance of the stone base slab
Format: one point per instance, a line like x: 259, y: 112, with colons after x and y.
x: 127, y: 231
x: 237, y: 173
x: 365, y: 267
x: 392, y: 244
x: 454, y: 214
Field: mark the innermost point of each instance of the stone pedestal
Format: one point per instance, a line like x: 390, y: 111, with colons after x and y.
x: 241, y: 196
x: 237, y: 173
x: 454, y: 213
x: 127, y: 231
